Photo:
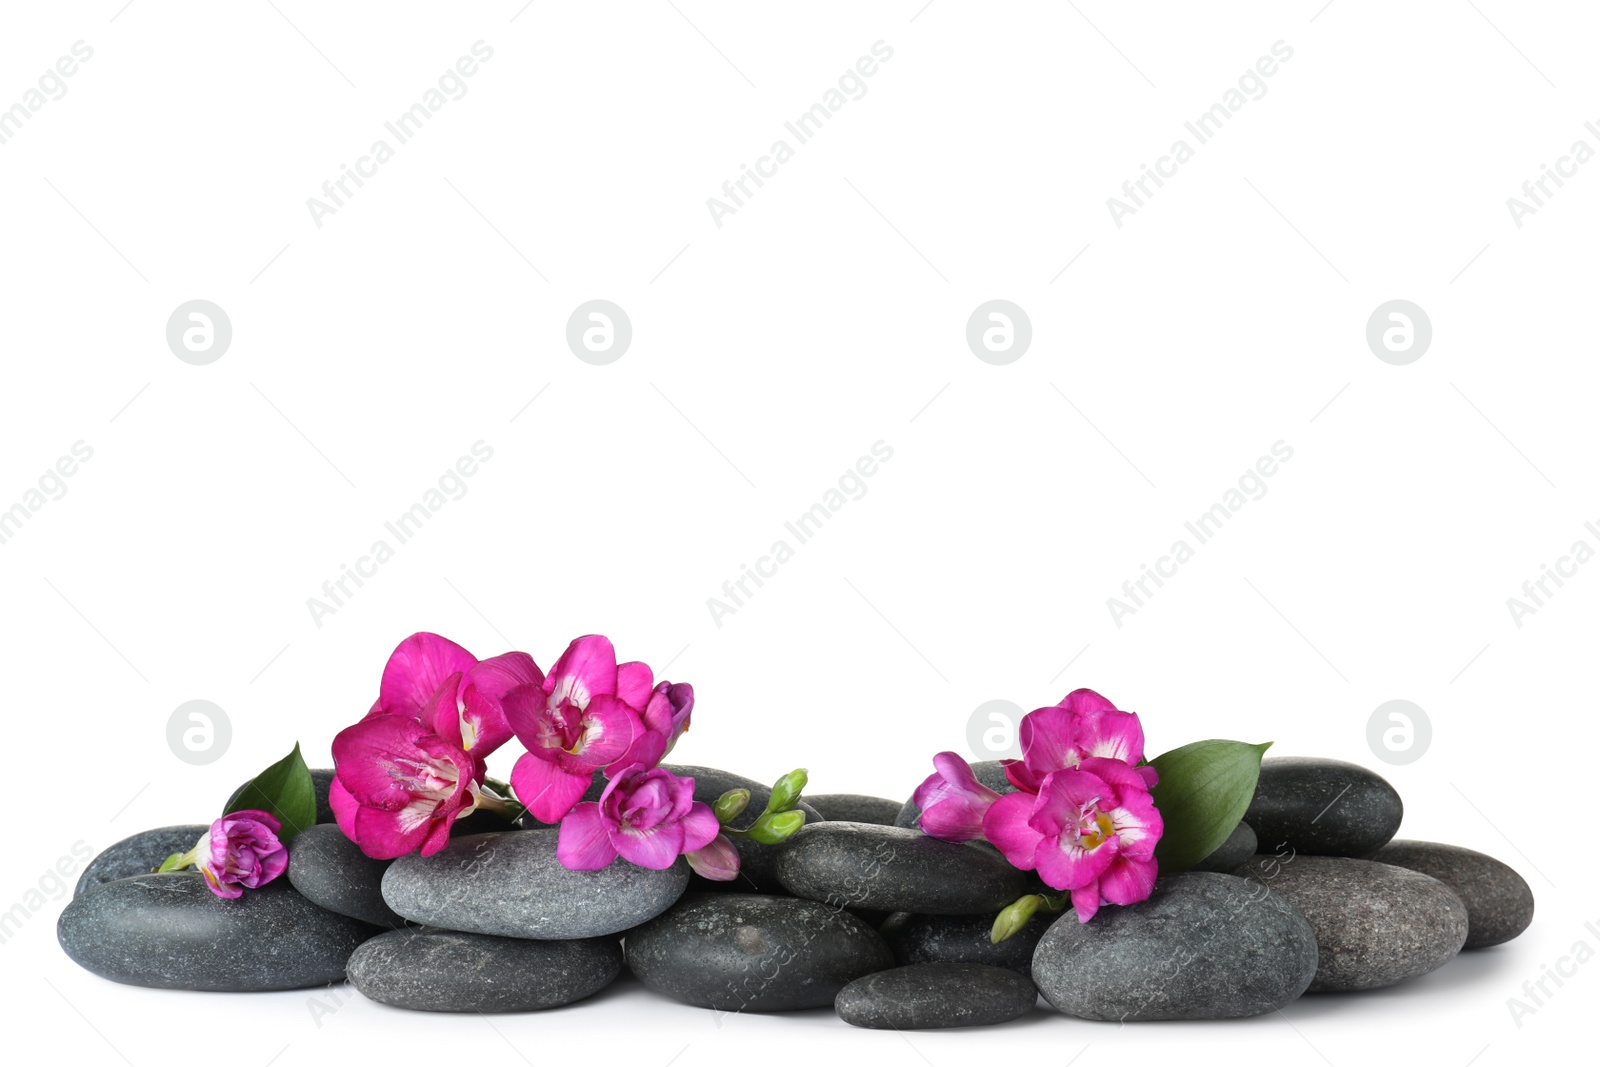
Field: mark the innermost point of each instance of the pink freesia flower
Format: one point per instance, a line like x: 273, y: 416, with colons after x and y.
x: 241, y: 851
x: 1091, y: 829
x: 418, y: 667
x: 952, y: 800
x: 649, y: 817
x: 1084, y: 725
x: 583, y: 717
x: 402, y: 781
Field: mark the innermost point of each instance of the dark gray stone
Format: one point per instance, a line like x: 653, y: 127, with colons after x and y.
x: 853, y: 807
x: 321, y: 781
x: 1499, y: 903
x: 513, y: 885
x: 1204, y: 946
x: 756, y: 874
x: 887, y: 868
x: 1237, y: 849
x: 963, y: 939
x: 753, y: 952
x: 168, y: 931
x: 989, y: 772
x: 140, y: 854
x: 331, y: 871
x: 446, y: 970
x: 1322, y: 807
x: 936, y: 996
x: 1375, y: 924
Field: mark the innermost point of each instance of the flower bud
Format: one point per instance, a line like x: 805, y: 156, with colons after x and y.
x: 718, y: 861
x: 728, y: 806
x: 1009, y: 923
x: 787, y: 790
x: 776, y: 827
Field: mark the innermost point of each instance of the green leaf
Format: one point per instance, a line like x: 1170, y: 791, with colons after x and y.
x: 1204, y: 790
x: 283, y: 790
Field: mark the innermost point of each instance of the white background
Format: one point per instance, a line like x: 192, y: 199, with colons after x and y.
x: 827, y: 314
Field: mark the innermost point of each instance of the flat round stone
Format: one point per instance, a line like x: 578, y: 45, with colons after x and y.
x: 989, y: 772
x: 963, y: 939
x: 887, y: 868
x: 1375, y: 924
x: 853, y: 807
x: 331, y: 871
x: 936, y: 996
x: 513, y: 885
x: 752, y: 952
x: 428, y: 969
x: 1203, y: 946
x: 1499, y: 902
x: 1322, y: 807
x: 1237, y: 849
x: 140, y: 854
x: 168, y: 931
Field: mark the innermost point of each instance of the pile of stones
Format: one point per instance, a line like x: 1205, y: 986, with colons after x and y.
x: 859, y: 910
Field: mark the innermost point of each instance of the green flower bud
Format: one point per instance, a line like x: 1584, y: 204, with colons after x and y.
x: 776, y: 827
x: 1009, y: 923
x: 787, y: 790
x: 728, y: 806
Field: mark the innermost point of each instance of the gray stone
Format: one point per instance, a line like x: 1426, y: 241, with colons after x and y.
x: 989, y: 772
x: 753, y: 952
x: 887, y: 868
x: 853, y: 807
x: 936, y: 996
x: 140, y: 854
x: 1237, y: 849
x: 446, y: 970
x: 169, y: 931
x: 513, y: 885
x: 963, y: 939
x: 321, y: 781
x: 1499, y: 903
x: 1322, y: 807
x: 1375, y: 924
x: 756, y: 861
x: 331, y: 871
x: 1203, y: 946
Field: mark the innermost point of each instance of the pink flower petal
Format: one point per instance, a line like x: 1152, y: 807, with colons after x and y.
x: 587, y: 669
x: 1111, y: 734
x: 700, y: 827
x: 415, y: 670
x: 1065, y: 864
x: 362, y: 755
x: 633, y: 684
x: 524, y: 706
x: 1128, y: 881
x: 656, y: 849
x: 1048, y: 740
x: 1063, y: 795
x: 387, y: 835
x: 1018, y: 774
x: 548, y: 791
x: 718, y: 861
x: 1085, y: 902
x: 1084, y: 701
x: 584, y: 843
x: 1006, y: 826
x: 344, y: 808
